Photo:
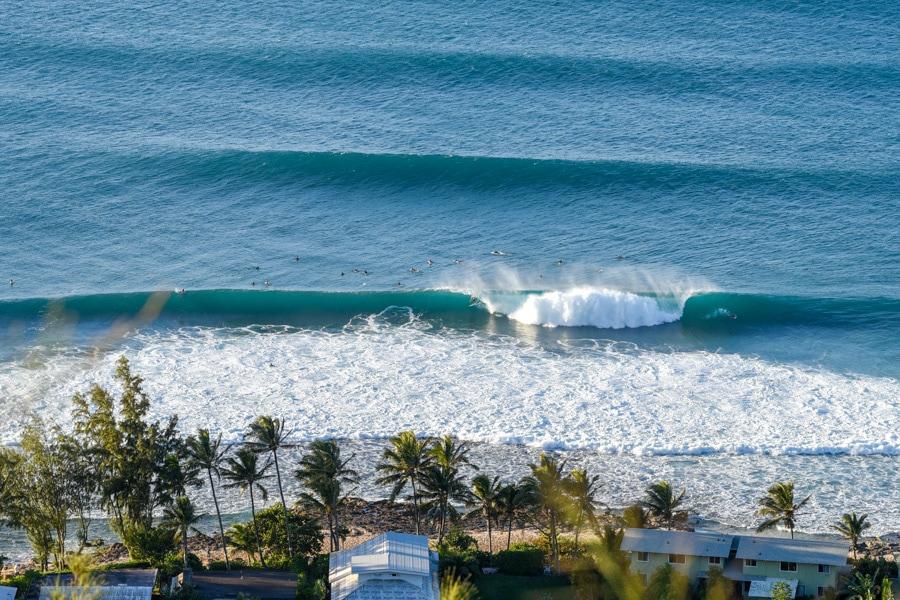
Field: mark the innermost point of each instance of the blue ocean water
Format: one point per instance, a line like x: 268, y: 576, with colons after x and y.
x: 672, y: 219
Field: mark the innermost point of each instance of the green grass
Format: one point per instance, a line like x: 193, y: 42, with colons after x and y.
x: 509, y: 587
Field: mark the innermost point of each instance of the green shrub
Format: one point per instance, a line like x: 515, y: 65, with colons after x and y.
x: 310, y: 589
x: 217, y: 565
x: 174, y: 564
x: 484, y: 558
x: 876, y: 568
x: 23, y: 582
x: 317, y: 568
x: 524, y: 546
x: 520, y: 562
x: 125, y: 564
x: 185, y: 592
x: 150, y: 544
x: 458, y: 539
x: 461, y: 562
x: 306, y: 535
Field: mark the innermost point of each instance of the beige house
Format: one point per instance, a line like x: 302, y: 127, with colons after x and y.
x: 755, y: 564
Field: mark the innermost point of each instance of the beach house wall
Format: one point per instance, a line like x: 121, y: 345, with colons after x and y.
x: 398, y: 566
x: 689, y: 553
x: 814, y: 564
x: 754, y: 563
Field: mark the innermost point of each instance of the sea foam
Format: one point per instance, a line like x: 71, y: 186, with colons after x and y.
x: 383, y: 374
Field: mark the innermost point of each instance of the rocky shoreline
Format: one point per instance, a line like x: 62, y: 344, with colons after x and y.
x: 366, y: 518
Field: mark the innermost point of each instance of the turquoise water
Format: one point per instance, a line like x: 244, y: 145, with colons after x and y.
x: 659, y: 229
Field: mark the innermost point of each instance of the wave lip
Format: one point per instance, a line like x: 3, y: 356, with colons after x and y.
x: 593, y: 307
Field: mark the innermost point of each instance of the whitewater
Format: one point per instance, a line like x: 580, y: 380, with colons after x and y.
x: 384, y: 372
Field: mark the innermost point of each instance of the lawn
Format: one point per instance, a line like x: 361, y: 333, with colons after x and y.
x: 508, y: 587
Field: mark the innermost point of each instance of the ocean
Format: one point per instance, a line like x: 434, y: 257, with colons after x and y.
x: 661, y: 238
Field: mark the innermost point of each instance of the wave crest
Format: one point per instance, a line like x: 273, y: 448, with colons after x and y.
x: 592, y: 307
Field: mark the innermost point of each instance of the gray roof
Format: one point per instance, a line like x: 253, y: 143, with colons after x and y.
x: 121, y: 584
x: 257, y: 583
x: 810, y: 552
x: 662, y: 541
x: 131, y: 577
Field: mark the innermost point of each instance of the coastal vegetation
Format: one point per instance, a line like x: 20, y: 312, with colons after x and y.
x: 143, y: 473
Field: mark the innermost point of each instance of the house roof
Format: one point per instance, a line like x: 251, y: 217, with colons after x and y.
x: 809, y: 552
x: 121, y: 584
x: 129, y: 577
x: 763, y: 588
x: 356, y: 574
x: 257, y: 583
x: 662, y: 541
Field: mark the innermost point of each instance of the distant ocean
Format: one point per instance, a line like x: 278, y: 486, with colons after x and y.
x: 662, y: 238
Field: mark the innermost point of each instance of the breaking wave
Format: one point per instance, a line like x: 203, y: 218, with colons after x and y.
x: 573, y: 307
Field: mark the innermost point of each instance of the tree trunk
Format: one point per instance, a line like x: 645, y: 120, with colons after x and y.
x: 262, y: 559
x: 185, y: 547
x: 415, y: 503
x: 578, y: 525
x: 219, y: 516
x: 509, y: 531
x: 287, y: 527
x: 443, y: 522
x: 490, y: 537
x: 554, y: 542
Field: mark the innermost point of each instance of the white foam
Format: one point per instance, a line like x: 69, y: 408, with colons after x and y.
x: 725, y: 426
x: 588, y: 306
x: 378, y: 378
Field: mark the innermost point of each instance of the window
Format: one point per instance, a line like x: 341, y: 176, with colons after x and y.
x: 789, y: 566
x: 643, y: 557
x: 677, y: 559
x: 825, y: 569
x: 715, y: 560
x: 749, y: 562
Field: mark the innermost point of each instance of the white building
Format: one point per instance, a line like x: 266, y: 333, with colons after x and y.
x: 392, y: 566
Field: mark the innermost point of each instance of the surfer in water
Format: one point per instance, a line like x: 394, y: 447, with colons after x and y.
x: 498, y: 253
x: 12, y: 282
x: 429, y: 262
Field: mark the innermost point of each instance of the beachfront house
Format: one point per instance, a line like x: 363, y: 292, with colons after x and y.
x: 753, y: 563
x: 398, y: 566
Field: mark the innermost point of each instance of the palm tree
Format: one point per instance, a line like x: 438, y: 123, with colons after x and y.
x: 181, y: 518
x: 207, y: 454
x: 243, y: 471
x: 662, y: 502
x: 440, y: 487
x: 510, y: 500
x: 324, y: 473
x: 778, y: 505
x: 449, y: 452
x: 546, y: 490
x: 443, y: 482
x: 405, y: 461
x: 583, y: 489
x: 268, y: 435
x: 485, y: 495
x: 851, y: 526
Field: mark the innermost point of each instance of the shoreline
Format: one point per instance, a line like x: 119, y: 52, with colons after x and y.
x: 367, y: 518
